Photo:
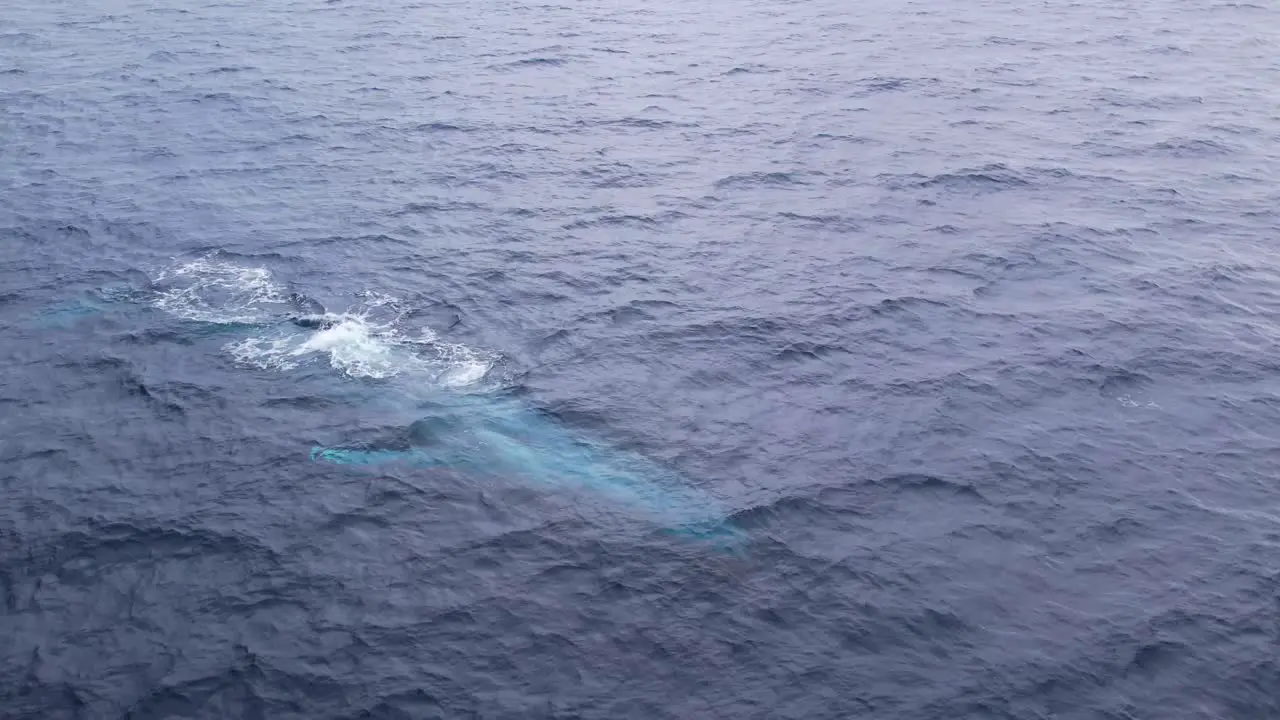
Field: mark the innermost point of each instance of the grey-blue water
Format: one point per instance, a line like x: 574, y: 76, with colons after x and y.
x: 753, y: 359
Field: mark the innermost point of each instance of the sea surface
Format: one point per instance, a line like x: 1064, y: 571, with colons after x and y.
x: 896, y: 359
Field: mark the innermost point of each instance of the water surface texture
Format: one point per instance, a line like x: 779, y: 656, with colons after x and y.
x: 752, y: 359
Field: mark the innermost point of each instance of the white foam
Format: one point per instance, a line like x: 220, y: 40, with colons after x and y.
x: 265, y: 353
x: 358, y: 347
x: 365, y: 342
x: 213, y: 290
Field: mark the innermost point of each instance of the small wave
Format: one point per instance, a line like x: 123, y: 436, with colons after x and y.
x: 921, y: 483
x: 633, y: 122
x: 832, y: 222
x: 439, y: 126
x: 874, y: 85
x: 615, y: 175
x: 641, y: 221
x: 214, y: 96
x: 804, y: 351
x: 429, y: 207
x: 1120, y: 382
x: 988, y: 177
x: 1169, y: 50
x: 537, y: 62
x: 855, y: 139
x: 757, y: 179
x: 1191, y: 147
x: 750, y: 69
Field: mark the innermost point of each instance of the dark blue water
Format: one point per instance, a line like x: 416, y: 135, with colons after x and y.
x: 640, y: 360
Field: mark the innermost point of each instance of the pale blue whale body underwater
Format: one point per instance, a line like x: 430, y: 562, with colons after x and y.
x: 502, y: 436
x: 497, y: 435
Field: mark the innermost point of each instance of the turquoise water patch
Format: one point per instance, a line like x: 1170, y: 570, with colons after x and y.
x: 66, y: 314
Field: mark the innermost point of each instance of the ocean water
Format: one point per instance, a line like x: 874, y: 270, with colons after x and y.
x: 755, y: 359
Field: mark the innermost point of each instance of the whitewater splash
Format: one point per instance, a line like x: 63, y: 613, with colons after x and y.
x: 368, y: 340
x: 359, y: 346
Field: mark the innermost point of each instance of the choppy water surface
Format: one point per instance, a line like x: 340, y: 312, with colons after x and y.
x: 631, y: 359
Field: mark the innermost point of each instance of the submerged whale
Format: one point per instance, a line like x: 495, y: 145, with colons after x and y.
x: 493, y: 433
x: 502, y: 436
